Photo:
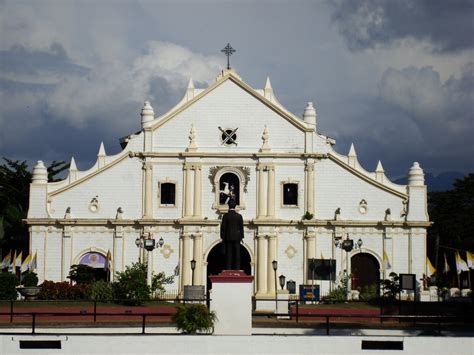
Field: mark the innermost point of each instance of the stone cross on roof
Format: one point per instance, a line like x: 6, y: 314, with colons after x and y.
x: 228, y: 50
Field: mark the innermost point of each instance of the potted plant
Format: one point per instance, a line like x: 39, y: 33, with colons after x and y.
x: 29, y: 288
x: 194, y: 318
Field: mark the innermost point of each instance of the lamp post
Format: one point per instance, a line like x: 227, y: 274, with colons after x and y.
x: 347, y: 245
x: 149, y: 244
x: 275, y: 267
x: 193, y: 266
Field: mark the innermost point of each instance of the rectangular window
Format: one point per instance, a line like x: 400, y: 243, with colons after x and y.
x: 167, y: 193
x: 290, y: 194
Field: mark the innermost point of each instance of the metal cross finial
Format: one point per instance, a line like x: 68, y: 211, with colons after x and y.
x: 228, y: 50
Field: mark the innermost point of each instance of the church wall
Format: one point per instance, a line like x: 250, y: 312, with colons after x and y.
x: 119, y: 186
x: 290, y: 255
x: 166, y: 259
x: 228, y: 106
x: 400, y: 252
x: 336, y: 187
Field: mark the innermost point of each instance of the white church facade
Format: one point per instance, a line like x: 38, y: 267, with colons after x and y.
x: 299, y: 198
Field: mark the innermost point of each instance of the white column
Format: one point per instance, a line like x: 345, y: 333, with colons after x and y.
x: 187, y: 191
x: 310, y: 250
x: 197, y: 256
x: 148, y: 213
x: 186, y: 260
x: 197, y: 191
x: 261, y: 191
x: 270, y: 272
x: 271, y: 192
x: 309, y: 200
x: 261, y: 264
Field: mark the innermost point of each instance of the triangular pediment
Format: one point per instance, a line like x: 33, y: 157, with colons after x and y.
x: 234, y: 78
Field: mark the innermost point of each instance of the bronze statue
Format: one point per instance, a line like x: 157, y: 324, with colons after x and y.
x: 232, y: 233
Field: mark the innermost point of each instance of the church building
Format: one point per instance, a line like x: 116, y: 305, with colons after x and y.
x: 310, y: 213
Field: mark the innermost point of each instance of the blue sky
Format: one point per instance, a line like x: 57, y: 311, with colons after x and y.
x: 395, y: 78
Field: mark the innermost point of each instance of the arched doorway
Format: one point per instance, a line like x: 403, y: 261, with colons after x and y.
x: 365, y: 270
x: 216, y: 262
x: 99, y: 264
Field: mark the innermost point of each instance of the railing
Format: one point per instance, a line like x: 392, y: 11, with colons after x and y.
x: 438, y: 321
x: 94, y: 303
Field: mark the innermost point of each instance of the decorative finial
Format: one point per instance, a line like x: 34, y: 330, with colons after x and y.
x: 192, y: 140
x: 228, y: 50
x: 265, y: 137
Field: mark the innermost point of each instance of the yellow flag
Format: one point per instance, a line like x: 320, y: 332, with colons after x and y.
x: 460, y: 264
x: 429, y: 266
x: 25, y: 265
x: 6, y: 260
x: 446, y: 266
x: 17, y: 261
x: 470, y: 259
x: 386, y: 261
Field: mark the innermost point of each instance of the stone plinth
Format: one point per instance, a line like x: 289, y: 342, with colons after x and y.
x: 231, y: 299
x: 282, y: 304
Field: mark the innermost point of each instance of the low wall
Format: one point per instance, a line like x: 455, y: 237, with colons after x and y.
x: 256, y: 344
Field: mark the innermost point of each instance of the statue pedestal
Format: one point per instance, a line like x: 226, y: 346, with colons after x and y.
x: 231, y: 299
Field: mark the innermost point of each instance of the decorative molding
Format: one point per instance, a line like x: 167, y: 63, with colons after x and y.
x: 245, y: 171
x: 290, y: 252
x: 166, y: 251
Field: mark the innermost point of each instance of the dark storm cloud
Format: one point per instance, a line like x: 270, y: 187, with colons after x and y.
x: 21, y: 60
x: 447, y: 25
x: 415, y: 117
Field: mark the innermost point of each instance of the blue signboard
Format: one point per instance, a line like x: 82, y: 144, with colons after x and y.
x: 309, y: 292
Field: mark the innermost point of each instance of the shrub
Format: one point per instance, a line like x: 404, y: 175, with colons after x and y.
x: 29, y: 279
x: 339, y: 293
x: 51, y: 290
x: 193, y: 318
x: 101, y: 291
x: 81, y: 274
x: 369, y: 293
x: 8, y: 282
x: 130, y: 286
x: 391, y: 286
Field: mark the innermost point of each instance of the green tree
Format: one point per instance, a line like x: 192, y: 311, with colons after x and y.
x: 15, y: 179
x: 81, y: 274
x: 8, y: 282
x: 452, y: 214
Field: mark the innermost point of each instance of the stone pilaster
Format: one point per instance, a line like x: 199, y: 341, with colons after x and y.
x: 271, y: 192
x: 148, y: 193
x: 186, y: 260
x: 197, y: 252
x: 310, y: 251
x: 271, y: 239
x: 261, y: 264
x: 188, y: 198
x: 197, y: 191
x: 261, y: 191
x: 309, y: 198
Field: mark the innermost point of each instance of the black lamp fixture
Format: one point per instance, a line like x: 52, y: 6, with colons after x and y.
x: 138, y: 242
x: 149, y: 243
x: 282, y: 279
x: 193, y: 266
x: 161, y: 242
x: 275, y: 265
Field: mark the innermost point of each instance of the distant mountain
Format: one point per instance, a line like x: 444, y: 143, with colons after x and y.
x: 441, y: 182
